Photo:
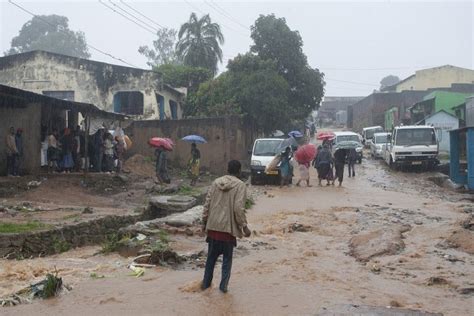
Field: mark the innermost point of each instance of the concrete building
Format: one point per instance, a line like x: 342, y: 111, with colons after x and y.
x: 331, y: 105
x: 437, y: 77
x: 443, y: 122
x: 131, y: 91
x: 370, y: 111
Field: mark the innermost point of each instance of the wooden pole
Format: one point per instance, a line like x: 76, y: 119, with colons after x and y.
x: 86, y: 145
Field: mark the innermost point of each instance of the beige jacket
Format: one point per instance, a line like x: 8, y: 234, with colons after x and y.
x: 224, y: 209
x: 11, y: 145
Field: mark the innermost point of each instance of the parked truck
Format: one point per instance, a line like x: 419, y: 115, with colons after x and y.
x: 412, y: 146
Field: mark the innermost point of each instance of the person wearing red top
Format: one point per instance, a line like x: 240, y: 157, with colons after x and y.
x: 224, y: 219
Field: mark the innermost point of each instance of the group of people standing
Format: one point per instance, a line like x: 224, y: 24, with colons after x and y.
x: 14, y: 151
x: 66, y: 151
x: 329, y: 166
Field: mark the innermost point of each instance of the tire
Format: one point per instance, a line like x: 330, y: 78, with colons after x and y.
x: 253, y: 181
x: 359, y: 161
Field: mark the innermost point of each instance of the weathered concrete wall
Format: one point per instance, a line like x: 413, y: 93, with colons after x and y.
x: 228, y: 138
x: 371, y: 110
x: 92, y: 82
x: 29, y: 119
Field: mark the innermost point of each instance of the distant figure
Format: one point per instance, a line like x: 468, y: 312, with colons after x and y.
x: 286, y: 169
x: 119, y: 151
x: 12, y: 152
x: 109, y: 152
x: 53, y: 151
x: 339, y: 161
x: 161, y: 166
x: 324, y: 163
x: 98, y: 150
x: 304, y: 173
x: 19, y: 148
x: 76, y: 148
x: 194, y: 164
x: 224, y: 220
x: 351, y: 161
x: 67, y: 144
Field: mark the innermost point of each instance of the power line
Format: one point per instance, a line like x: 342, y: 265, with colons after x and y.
x: 134, y: 17
x: 88, y: 45
x: 375, y: 69
x: 222, y: 12
x: 126, y: 17
x: 138, y: 12
x: 204, y: 13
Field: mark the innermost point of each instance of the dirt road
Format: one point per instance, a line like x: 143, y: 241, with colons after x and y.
x: 383, y: 239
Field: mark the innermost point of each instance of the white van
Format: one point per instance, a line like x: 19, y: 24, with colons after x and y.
x: 377, y: 144
x: 348, y: 136
x: 415, y: 145
x: 263, y: 152
x: 368, y: 133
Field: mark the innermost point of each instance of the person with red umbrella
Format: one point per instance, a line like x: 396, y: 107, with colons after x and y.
x: 304, y: 155
x: 162, y: 146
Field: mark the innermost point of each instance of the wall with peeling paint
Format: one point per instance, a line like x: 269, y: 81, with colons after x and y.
x: 92, y: 82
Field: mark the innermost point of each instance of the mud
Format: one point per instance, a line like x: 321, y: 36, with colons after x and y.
x: 281, y: 271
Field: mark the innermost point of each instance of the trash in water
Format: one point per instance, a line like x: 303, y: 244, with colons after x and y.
x: 137, y: 272
x: 33, y: 184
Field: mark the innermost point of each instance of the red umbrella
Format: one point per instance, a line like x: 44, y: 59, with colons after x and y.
x: 305, y: 153
x: 326, y: 135
x: 166, y: 143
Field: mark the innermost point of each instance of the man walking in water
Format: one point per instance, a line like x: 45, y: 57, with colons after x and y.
x: 224, y: 220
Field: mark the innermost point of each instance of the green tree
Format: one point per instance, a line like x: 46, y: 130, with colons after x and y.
x: 163, y: 51
x: 274, y: 40
x: 184, y: 76
x: 252, y: 87
x: 49, y: 33
x: 199, y: 43
x: 388, y: 81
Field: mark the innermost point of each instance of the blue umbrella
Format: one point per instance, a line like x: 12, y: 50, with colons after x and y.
x: 194, y: 139
x: 295, y: 134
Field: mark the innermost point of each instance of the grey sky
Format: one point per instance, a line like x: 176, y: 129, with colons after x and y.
x: 354, y: 43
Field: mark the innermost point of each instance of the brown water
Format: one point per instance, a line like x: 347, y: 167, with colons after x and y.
x: 281, y: 272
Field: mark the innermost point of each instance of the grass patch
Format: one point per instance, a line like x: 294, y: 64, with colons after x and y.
x: 113, y: 242
x: 249, y: 203
x: 52, y: 286
x: 12, y: 228
x: 94, y: 275
x: 72, y: 216
x: 60, y: 245
x: 161, y: 244
x: 148, y: 159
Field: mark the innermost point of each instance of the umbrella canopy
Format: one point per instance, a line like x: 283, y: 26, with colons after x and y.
x: 326, y: 135
x: 289, y: 142
x: 305, y: 153
x: 161, y: 142
x: 349, y: 144
x: 278, y: 133
x: 194, y: 139
x: 295, y: 134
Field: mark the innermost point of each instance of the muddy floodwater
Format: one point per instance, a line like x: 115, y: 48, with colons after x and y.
x: 383, y: 239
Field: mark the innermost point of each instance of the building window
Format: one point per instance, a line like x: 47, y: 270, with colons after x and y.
x: 128, y: 102
x: 63, y: 95
x: 174, y: 110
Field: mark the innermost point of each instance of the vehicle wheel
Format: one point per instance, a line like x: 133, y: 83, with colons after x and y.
x: 391, y: 164
x: 359, y: 161
x: 253, y: 181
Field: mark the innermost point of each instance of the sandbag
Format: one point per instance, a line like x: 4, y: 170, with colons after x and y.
x: 273, y: 164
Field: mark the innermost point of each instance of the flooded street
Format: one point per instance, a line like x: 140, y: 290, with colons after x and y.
x: 383, y: 239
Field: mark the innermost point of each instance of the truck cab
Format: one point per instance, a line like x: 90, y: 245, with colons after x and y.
x: 414, y: 145
x: 263, y: 152
x: 368, y: 133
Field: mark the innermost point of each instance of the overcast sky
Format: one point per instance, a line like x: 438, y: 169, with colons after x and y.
x: 355, y: 43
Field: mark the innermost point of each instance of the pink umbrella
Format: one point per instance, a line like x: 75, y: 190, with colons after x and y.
x: 305, y: 153
x: 166, y: 143
x: 326, y: 135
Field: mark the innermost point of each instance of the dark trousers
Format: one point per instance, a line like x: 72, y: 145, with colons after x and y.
x: 215, y: 249
x: 350, y: 167
x: 339, y: 171
x: 11, y: 162
x: 98, y: 158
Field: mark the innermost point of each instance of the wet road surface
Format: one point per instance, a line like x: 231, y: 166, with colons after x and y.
x: 298, y: 261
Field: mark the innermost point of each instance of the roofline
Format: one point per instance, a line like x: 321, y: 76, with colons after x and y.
x: 395, y: 85
x: 81, y: 107
x: 89, y: 61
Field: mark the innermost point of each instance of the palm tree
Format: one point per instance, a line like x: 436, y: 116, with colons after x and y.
x: 199, y: 43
